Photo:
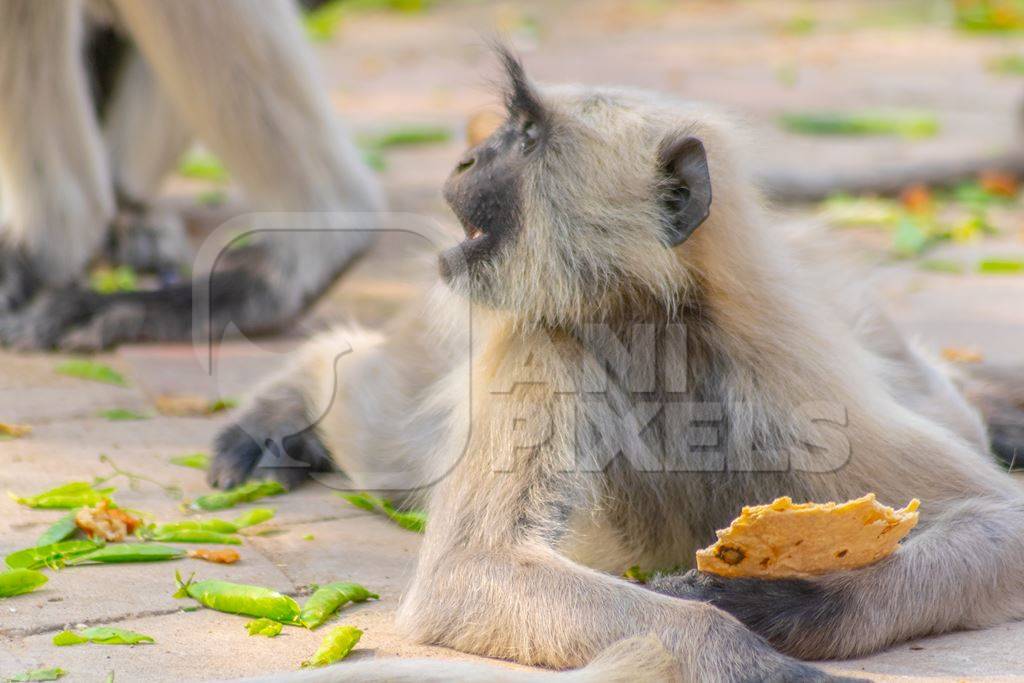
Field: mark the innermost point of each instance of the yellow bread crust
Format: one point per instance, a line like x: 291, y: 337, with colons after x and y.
x: 789, y: 540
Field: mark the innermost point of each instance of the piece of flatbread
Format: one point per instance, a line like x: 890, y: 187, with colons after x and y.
x: 788, y: 540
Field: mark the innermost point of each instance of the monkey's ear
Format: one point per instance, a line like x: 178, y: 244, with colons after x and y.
x: 689, y: 200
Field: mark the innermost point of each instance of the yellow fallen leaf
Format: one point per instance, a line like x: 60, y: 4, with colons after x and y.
x: 956, y: 354
x: 14, y: 431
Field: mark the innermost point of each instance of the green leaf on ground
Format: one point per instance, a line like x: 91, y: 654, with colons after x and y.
x: 941, y: 266
x: 113, y: 280
x: 1001, y: 266
x: 91, y: 370
x: 38, y: 675
x: 199, y: 164
x: 989, y: 16
x: 122, y: 415
x: 406, y: 136
x: 1011, y: 65
x: 903, y: 123
x: 197, y: 461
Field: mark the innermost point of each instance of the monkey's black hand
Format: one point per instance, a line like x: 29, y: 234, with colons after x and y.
x: 791, y: 614
x: 274, y: 439
x: 18, y: 279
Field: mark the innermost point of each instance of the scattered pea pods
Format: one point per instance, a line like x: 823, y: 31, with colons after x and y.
x: 61, y: 530
x: 326, y: 600
x: 129, y: 552
x: 237, y: 598
x: 102, y: 635
x: 74, y: 495
x: 248, y: 492
x: 54, y: 555
x: 194, y: 536
x: 18, y: 581
x: 335, y: 646
x: 263, y: 627
x: 413, y: 520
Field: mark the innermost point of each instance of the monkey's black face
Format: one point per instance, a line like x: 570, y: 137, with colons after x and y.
x: 485, y: 192
x: 486, y: 189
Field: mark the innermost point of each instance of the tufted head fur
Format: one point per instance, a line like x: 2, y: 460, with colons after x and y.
x: 582, y: 204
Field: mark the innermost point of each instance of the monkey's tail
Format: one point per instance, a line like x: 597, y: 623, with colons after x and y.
x: 998, y: 392
x: 642, y: 658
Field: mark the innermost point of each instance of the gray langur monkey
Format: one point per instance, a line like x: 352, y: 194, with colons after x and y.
x: 646, y: 354
x: 239, y: 76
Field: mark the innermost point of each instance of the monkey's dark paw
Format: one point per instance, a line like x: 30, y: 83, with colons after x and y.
x: 794, y: 615
x: 18, y: 279
x: 148, y: 239
x: 270, y: 441
x: 48, y: 318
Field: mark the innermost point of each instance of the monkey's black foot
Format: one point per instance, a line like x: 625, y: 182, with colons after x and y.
x: 44, y: 322
x: 796, y: 616
x: 18, y: 279
x: 272, y: 440
x: 148, y: 239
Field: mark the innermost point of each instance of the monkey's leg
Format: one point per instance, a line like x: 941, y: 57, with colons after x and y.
x: 959, y: 570
x: 524, y: 601
x: 54, y: 181
x: 244, y: 81
x: 146, y: 138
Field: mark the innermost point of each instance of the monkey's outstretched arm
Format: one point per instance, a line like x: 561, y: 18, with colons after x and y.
x: 53, y: 173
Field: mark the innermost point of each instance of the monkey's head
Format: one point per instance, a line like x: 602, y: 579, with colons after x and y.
x: 583, y: 203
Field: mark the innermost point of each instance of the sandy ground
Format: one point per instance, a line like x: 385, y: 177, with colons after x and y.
x: 390, y: 68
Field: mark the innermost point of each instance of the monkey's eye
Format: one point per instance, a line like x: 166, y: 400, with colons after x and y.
x: 531, y: 133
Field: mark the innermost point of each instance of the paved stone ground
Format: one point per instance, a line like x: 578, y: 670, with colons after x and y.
x: 387, y: 68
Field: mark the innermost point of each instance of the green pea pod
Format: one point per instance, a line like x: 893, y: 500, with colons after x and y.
x: 194, y: 536
x: 326, y: 600
x: 218, y: 525
x: 18, y: 581
x: 246, y: 493
x: 198, y: 461
x: 38, y: 675
x: 413, y: 520
x: 237, y: 598
x: 253, y: 517
x: 74, y: 495
x: 129, y: 552
x: 54, y: 555
x: 102, y: 635
x: 61, y: 530
x: 335, y: 646
x: 263, y: 627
